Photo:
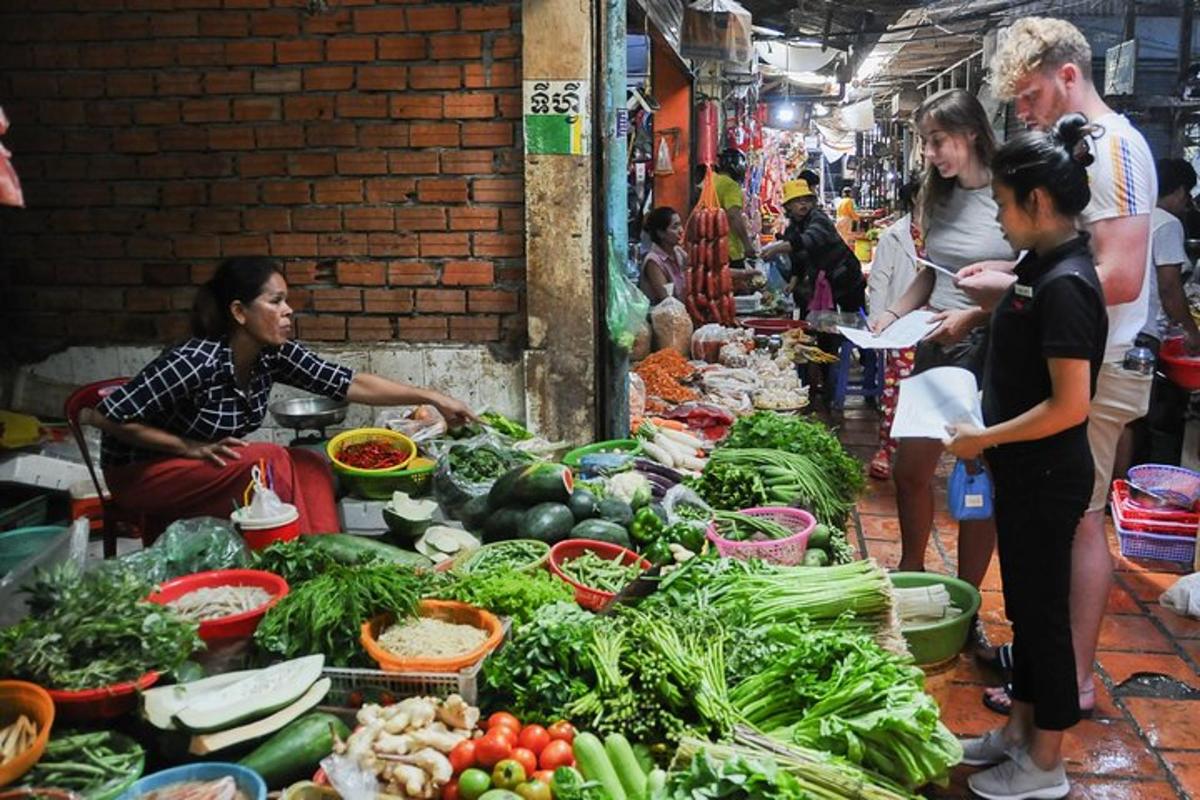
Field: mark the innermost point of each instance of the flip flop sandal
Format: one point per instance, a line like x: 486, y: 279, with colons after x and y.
x: 881, y: 467
x: 1001, y: 661
x: 992, y: 695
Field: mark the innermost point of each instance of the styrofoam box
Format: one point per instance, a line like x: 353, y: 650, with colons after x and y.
x: 35, y: 470
x: 362, y: 515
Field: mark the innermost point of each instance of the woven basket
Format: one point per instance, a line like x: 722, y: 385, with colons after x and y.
x: 788, y: 551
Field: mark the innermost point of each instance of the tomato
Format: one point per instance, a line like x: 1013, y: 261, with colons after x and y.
x: 491, y: 750
x: 508, y: 774
x: 503, y: 718
x: 535, y: 738
x: 506, y: 733
x: 557, y: 754
x: 546, y: 776
x: 473, y: 783
x: 526, y: 759
x: 450, y: 791
x: 562, y: 731
x: 463, y: 755
x: 534, y: 790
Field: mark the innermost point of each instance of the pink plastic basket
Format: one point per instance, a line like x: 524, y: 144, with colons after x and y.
x: 787, y: 552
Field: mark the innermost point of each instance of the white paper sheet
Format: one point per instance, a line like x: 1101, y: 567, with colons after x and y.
x: 925, y: 262
x: 904, y: 332
x: 934, y: 399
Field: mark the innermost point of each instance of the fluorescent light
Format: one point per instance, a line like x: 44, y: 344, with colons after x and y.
x: 786, y: 113
x: 820, y: 109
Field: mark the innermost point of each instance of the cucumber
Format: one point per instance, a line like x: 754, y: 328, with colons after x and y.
x: 502, y: 525
x: 593, y: 762
x: 629, y: 771
x: 295, y: 752
x: 582, y: 504
x: 819, y: 538
x: 656, y: 782
x: 349, y: 549
x: 814, y: 557
x: 258, y: 695
x: 601, y: 531
x: 615, y: 510
x: 547, y: 522
x: 532, y: 484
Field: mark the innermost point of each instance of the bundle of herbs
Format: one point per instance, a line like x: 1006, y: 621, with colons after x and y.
x: 508, y: 592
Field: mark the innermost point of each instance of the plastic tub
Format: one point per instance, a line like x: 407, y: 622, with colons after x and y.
x: 234, y: 626
x: 260, y: 533
x: 103, y: 703
x: 406, y: 446
x: 935, y: 642
x: 788, y: 551
x: 586, y: 596
x: 449, y: 611
x: 624, y: 446
x: 248, y: 781
x: 22, y: 697
x: 1180, y: 368
x: 22, y: 544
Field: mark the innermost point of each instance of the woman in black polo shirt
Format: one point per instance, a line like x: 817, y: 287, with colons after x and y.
x: 1044, y: 353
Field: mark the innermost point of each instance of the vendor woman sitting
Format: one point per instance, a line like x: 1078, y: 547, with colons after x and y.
x: 172, y: 436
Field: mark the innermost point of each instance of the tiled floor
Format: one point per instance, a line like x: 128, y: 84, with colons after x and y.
x: 1135, y: 748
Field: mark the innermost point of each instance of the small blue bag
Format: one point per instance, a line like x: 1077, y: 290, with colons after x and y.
x: 969, y: 493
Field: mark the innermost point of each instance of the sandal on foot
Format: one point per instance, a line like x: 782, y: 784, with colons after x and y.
x: 1001, y: 660
x: 881, y: 466
x: 999, y: 699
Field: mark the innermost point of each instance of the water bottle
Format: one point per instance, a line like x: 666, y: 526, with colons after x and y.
x: 1139, y: 360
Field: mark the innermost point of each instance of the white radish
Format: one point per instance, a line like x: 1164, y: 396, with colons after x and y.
x: 693, y: 463
x: 682, y: 437
x: 658, y: 454
x: 678, y: 451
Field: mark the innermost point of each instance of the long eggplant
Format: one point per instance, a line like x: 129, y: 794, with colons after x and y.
x: 648, y: 467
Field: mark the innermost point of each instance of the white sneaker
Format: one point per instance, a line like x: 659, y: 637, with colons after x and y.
x: 983, y: 751
x: 1020, y: 779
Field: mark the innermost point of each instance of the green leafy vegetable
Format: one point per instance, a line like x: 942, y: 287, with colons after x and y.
x: 508, y: 592
x: 296, y: 560
x: 544, y: 666
x: 484, y: 463
x: 505, y: 426
x: 730, y: 487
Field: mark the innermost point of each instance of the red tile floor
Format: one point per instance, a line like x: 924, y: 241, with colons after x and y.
x: 1134, y: 748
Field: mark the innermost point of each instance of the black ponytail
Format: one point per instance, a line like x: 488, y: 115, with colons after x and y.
x: 1055, y: 161
x: 240, y: 279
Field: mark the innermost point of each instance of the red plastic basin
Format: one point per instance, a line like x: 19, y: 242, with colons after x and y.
x: 103, y: 703
x: 235, y: 626
x: 570, y: 549
x: 1182, y: 369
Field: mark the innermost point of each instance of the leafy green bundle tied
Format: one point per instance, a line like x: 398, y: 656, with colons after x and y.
x: 771, y: 431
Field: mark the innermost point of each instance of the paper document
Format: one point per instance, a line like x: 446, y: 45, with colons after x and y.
x: 904, y: 332
x: 934, y: 399
x: 925, y: 262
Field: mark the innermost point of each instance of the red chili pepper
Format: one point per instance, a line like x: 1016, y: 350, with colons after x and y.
x: 370, y: 455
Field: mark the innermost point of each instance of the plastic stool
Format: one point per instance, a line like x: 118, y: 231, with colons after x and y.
x: 869, y: 386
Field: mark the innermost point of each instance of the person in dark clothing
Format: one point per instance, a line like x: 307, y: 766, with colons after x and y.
x: 819, y: 255
x: 1045, y: 349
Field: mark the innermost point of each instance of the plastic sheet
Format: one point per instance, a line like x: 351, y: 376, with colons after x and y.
x: 187, y: 546
x: 672, y: 326
x: 627, y: 306
x: 1184, y: 596
x: 452, y: 491
x: 419, y: 423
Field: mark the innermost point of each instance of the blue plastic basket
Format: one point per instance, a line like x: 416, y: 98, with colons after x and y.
x: 1138, y: 544
x: 1176, y: 484
x: 248, y: 781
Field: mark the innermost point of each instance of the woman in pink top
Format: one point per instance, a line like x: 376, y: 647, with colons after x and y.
x: 664, y: 270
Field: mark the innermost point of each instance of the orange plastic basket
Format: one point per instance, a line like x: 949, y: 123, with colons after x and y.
x: 447, y: 611
x: 22, y: 697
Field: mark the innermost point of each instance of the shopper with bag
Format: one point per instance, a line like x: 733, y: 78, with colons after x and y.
x: 1043, y: 359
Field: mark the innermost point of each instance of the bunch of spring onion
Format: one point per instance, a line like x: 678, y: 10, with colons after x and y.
x: 791, y: 479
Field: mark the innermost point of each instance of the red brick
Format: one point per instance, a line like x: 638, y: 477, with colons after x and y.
x: 492, y: 301
x: 185, y: 194
x: 420, y: 218
x: 317, y: 219
x: 144, y: 299
x: 498, y: 245
x: 474, y: 219
x: 337, y: 299
x: 498, y: 190
x: 470, y: 106
x: 345, y: 48
x: 433, y: 18
x: 468, y: 162
x: 101, y: 113
x: 362, y: 273
x: 239, y: 193
x: 359, y: 106
x: 247, y: 3
x: 468, y: 273
x: 402, y: 48
x: 309, y: 106
x: 403, y: 245
x: 411, y: 273
x: 227, y: 82
x: 434, y: 134
x: 298, y: 273
x: 156, y: 113
x: 331, y: 134
x: 275, y: 23
x: 83, y: 85
x: 236, y: 138
x: 253, y: 165
x: 279, y: 137
x: 487, y: 134
x: 151, y: 54
x: 224, y: 25
x: 311, y: 164
x: 483, y: 18
x: 413, y: 162
x: 130, y: 84
x: 329, y: 22
x: 322, y: 328
x: 202, y: 54
x: 339, y: 191
x: 135, y: 141
x: 217, y: 220
x: 390, y: 190
x: 277, y: 81
x: 251, y: 52
x: 509, y: 105
x: 379, y: 20
x: 512, y: 219
x: 174, y: 83
x: 457, y: 46
x: 287, y: 193
x: 369, y: 329
x: 103, y: 56
x: 318, y: 79
x: 197, y: 247
x: 435, y: 77
x: 299, y: 51
x: 245, y: 245
x: 166, y: 26
x: 422, y: 329
x: 385, y: 79
x: 500, y: 74
x: 342, y: 244
x: 388, y: 301
x: 444, y: 244
x: 216, y: 110
x: 363, y: 163
x: 444, y: 190
x: 475, y: 329
x: 446, y: 301
x: 386, y: 135
x: 507, y: 46
x: 267, y: 219
x: 256, y: 109
x: 416, y: 106
x: 370, y: 219
x: 296, y: 244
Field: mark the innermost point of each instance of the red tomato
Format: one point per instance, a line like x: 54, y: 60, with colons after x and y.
x: 507, y: 733
x: 535, y: 738
x: 492, y: 749
x: 525, y: 758
x: 450, y: 791
x: 562, y: 730
x: 557, y: 754
x: 463, y: 755
x: 503, y: 718
x: 546, y: 776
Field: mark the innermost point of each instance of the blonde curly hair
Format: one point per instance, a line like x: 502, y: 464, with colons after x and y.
x: 1035, y: 43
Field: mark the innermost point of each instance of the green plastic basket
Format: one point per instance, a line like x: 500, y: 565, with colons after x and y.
x: 935, y: 642
x: 627, y: 446
x: 414, y: 482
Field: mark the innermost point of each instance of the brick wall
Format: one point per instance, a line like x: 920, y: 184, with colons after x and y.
x: 374, y: 147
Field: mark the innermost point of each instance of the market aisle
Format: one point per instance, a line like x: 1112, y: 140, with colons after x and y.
x: 1136, y: 748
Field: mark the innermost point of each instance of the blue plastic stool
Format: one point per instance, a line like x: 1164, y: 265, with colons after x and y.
x: 869, y: 386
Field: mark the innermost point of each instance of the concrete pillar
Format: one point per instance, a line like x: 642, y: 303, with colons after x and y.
x: 558, y: 51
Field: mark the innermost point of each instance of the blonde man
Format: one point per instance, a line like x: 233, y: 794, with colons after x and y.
x: 1044, y: 66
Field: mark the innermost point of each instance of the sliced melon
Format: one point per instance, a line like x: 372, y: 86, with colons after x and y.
x: 257, y: 696
x: 162, y: 703
x: 206, y: 743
